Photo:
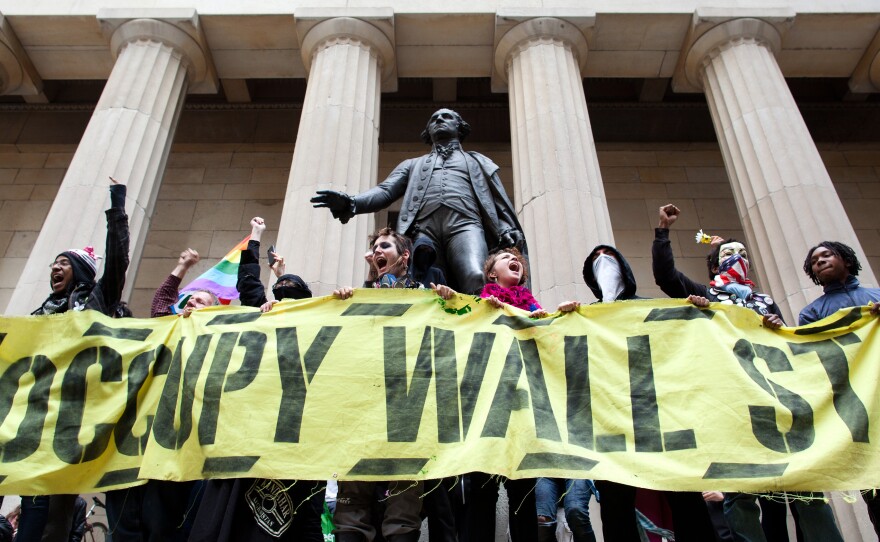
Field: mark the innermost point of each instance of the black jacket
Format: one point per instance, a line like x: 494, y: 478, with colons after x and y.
x: 629, y: 280
x: 423, y: 258
x: 250, y: 288
x: 105, y: 294
x: 675, y: 284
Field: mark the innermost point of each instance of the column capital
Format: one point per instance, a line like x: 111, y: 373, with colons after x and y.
x: 17, y: 74
x: 713, y: 29
x: 515, y: 29
x: 866, y: 76
x: 178, y: 28
x: 317, y: 28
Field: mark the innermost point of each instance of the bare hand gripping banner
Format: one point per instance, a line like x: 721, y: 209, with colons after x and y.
x: 399, y: 385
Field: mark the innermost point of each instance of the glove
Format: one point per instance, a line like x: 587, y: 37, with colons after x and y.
x: 512, y: 238
x: 339, y: 203
x: 117, y: 196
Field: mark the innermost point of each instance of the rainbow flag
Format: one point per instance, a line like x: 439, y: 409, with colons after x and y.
x: 220, y: 279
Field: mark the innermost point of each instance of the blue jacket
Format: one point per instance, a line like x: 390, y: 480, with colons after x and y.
x: 838, y: 296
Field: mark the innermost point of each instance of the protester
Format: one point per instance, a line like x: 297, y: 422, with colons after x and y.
x: 728, y: 267
x: 78, y: 527
x: 72, y: 281
x: 505, y: 273
x: 168, y: 507
x: 609, y: 276
x: 168, y: 294
x: 261, y: 510
x: 390, y: 263
x: 251, y: 291
x: 835, y: 266
x: 574, y: 495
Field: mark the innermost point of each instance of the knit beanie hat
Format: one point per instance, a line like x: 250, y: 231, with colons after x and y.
x: 84, y: 263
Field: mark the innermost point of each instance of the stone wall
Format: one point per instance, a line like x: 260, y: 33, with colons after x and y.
x: 210, y: 193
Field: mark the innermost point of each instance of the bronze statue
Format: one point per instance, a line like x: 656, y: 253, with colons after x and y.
x: 452, y: 197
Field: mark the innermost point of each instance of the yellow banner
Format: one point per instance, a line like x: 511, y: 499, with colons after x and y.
x: 396, y: 384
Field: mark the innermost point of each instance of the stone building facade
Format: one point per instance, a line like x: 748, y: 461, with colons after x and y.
x: 759, y: 122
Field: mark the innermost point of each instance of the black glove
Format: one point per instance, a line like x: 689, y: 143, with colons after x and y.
x: 339, y: 203
x: 117, y: 196
x: 512, y: 238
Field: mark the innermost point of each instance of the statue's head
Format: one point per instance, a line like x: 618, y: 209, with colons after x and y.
x: 445, y: 124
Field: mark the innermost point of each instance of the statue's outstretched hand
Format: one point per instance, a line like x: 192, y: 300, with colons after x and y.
x: 512, y: 238
x: 339, y: 203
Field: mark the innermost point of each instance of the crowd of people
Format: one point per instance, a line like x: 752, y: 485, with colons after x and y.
x: 451, y: 238
x: 460, y: 509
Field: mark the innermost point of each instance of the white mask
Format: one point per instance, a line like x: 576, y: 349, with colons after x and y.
x: 608, y: 275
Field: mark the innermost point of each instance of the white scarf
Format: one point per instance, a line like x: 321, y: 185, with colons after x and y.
x: 607, y: 272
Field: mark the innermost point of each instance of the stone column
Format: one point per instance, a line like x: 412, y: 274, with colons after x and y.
x: 785, y: 198
x: 337, y: 147
x: 17, y: 74
x: 558, y: 188
x: 128, y: 138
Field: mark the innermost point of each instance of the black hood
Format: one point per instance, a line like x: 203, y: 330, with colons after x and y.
x: 424, y: 255
x: 629, y: 280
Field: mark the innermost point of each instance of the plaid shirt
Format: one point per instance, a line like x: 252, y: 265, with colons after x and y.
x: 165, y: 296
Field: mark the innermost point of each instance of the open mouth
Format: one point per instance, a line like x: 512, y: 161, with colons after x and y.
x: 514, y: 266
x: 381, y: 262
x: 57, y: 278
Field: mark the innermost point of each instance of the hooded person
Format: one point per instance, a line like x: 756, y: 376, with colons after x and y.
x: 260, y: 509
x: 609, y: 275
x: 250, y: 288
x: 610, y: 278
x: 72, y: 277
x: 423, y: 260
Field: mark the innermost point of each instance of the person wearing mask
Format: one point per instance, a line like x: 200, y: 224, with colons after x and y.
x: 609, y: 276
x: 728, y: 266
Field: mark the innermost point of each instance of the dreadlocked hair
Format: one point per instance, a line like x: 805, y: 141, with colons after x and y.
x: 842, y: 251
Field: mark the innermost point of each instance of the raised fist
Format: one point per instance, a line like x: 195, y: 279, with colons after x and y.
x: 669, y: 213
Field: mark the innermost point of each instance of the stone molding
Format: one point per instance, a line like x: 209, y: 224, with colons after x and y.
x: 373, y: 28
x: 712, y: 30
x: 515, y: 31
x: 17, y: 74
x: 866, y: 76
x: 176, y: 28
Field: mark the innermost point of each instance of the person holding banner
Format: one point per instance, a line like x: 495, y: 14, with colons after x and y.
x: 506, y: 273
x: 728, y: 267
x: 610, y: 278
x: 168, y: 293
x: 166, y: 505
x: 251, y: 291
x: 835, y: 266
x: 72, y: 279
x: 260, y: 509
x: 389, y: 268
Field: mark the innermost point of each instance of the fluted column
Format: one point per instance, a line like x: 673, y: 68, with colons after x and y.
x: 784, y: 195
x: 17, y: 73
x: 558, y: 188
x: 128, y: 138
x: 337, y: 147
